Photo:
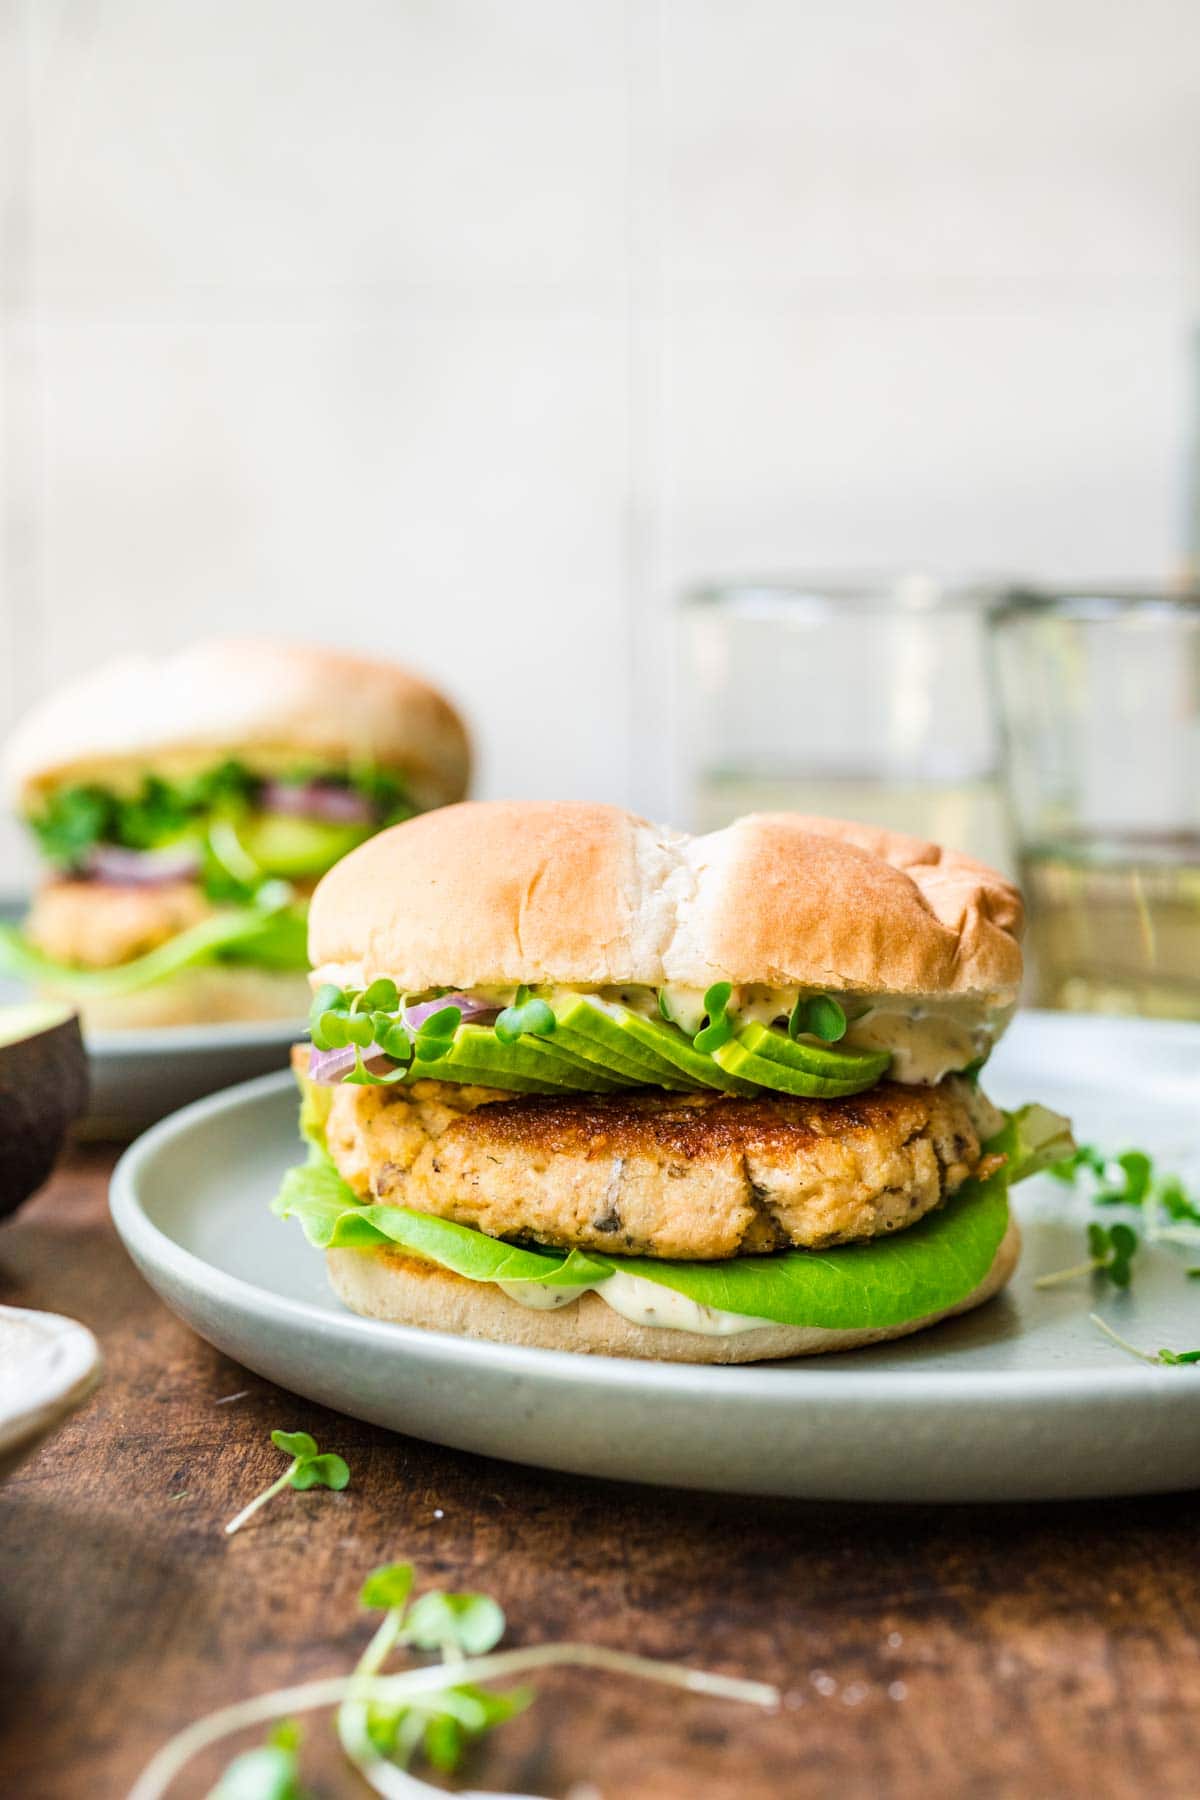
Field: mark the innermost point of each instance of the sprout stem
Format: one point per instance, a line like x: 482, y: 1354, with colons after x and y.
x: 160, y: 1772
x: 276, y: 1487
x: 1142, y: 1355
x: 1072, y: 1274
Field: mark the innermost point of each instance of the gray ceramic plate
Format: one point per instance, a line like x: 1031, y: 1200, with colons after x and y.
x: 1023, y: 1399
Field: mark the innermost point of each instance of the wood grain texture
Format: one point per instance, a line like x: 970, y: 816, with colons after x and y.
x: 1025, y: 1651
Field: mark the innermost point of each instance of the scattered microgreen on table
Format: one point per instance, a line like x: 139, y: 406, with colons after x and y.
x: 1168, y: 1358
x: 1111, y: 1251
x: 309, y: 1468
x: 437, y: 1709
x: 271, y: 1772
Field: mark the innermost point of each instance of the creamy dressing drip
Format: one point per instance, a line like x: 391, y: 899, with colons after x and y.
x: 640, y: 1301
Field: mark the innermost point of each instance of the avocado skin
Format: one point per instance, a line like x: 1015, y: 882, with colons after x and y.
x: 43, y: 1090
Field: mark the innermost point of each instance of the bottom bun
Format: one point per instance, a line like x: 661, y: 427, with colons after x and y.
x: 386, y: 1284
x: 216, y: 994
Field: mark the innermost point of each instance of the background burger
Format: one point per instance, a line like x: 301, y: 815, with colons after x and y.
x: 186, y: 806
x: 580, y: 1082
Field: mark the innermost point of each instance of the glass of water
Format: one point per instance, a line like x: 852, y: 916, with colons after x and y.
x: 1100, y: 704
x: 858, y: 700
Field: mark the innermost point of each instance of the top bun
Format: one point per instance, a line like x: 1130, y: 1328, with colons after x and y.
x: 495, y: 894
x: 264, y: 701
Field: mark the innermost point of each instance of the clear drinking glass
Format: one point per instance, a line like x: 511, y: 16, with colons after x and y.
x: 858, y: 700
x: 1100, y: 704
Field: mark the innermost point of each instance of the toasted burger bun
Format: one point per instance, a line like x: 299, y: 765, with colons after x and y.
x: 499, y: 893
x: 210, y: 995
x: 386, y: 1284
x: 267, y: 702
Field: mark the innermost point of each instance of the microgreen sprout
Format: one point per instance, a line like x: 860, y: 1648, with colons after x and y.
x: 436, y: 1035
x: 444, y: 1725
x: 1084, y: 1156
x: 1136, y: 1169
x: 719, y: 1028
x: 524, y: 1015
x: 1112, y: 1250
x: 1169, y: 1358
x: 437, y: 1709
x: 308, y: 1468
x: 272, y: 1772
x: 1130, y: 1179
x: 817, y: 1015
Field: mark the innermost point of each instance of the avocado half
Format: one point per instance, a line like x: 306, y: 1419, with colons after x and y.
x: 43, y: 1090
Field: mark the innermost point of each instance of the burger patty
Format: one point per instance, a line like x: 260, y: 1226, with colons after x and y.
x: 693, y: 1176
x: 96, y: 925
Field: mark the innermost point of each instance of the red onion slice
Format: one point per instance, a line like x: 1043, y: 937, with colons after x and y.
x: 115, y: 864
x: 470, y: 1008
x: 322, y: 800
x: 328, y: 1067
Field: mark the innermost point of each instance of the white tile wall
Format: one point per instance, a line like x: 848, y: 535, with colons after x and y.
x: 473, y: 332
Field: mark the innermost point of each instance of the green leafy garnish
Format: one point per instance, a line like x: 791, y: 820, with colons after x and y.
x: 1111, y: 1251
x: 1137, y: 1170
x: 1169, y: 1358
x: 1130, y: 1179
x: 436, y: 1035
x: 308, y: 1468
x: 719, y: 1027
x: 271, y: 1772
x: 439, y: 1709
x: 817, y: 1015
x: 441, y: 1724
x: 524, y: 1015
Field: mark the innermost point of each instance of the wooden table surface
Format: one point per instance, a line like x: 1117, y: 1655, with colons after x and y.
x: 1024, y: 1651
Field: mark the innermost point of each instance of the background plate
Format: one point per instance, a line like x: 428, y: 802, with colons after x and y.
x: 1023, y: 1399
x: 140, y: 1076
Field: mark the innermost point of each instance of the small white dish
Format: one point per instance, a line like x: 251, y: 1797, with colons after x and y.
x: 48, y: 1367
x: 1021, y: 1400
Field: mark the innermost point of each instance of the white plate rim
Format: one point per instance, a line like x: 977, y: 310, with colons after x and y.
x: 746, y: 1382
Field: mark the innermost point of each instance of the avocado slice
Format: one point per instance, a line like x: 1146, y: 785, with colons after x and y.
x: 765, y: 1072
x: 813, y: 1058
x: 285, y: 846
x: 669, y: 1045
x: 477, y: 1055
x: 43, y: 1090
x: 587, y: 1029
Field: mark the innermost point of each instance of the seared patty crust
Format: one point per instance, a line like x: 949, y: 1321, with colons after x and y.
x: 697, y: 1177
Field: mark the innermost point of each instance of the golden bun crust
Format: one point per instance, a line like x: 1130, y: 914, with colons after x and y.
x: 385, y: 1284
x: 209, y: 995
x: 266, y: 701
x: 490, y: 894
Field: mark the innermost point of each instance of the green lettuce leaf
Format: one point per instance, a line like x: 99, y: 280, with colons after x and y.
x: 888, y: 1282
x: 1033, y: 1139
x: 333, y: 1218
x: 274, y: 938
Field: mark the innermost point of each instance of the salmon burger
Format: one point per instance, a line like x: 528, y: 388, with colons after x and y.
x: 577, y: 1081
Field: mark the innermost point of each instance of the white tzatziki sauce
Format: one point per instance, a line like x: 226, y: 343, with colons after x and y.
x: 640, y: 1301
